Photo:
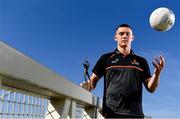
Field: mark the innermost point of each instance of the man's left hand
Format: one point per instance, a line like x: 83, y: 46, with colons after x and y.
x: 158, y: 64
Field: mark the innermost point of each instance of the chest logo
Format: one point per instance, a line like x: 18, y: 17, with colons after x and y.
x: 134, y: 62
x: 115, y: 61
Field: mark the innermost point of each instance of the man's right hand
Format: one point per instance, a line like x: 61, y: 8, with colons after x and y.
x: 87, y: 85
x: 90, y: 84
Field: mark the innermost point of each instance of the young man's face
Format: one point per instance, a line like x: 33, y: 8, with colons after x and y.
x: 124, y: 36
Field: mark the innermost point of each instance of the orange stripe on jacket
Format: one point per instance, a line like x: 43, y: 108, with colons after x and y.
x: 133, y: 67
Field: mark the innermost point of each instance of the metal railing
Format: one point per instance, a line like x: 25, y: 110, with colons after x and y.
x: 30, y: 90
x: 19, y: 105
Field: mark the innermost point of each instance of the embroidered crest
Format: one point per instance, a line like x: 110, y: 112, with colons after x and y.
x: 134, y: 62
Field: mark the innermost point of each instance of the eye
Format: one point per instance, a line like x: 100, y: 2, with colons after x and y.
x: 121, y: 33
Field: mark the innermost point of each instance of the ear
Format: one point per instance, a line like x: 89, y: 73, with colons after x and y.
x: 132, y: 38
x: 115, y: 38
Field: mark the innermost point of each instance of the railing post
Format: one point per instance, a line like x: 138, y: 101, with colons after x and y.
x: 91, y: 111
x: 72, y: 110
x: 58, y: 108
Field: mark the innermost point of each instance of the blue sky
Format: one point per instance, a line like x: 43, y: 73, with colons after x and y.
x: 61, y: 34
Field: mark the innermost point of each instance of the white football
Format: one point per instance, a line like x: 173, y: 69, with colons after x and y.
x: 162, y: 19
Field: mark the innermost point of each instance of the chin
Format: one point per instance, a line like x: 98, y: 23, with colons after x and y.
x: 123, y: 45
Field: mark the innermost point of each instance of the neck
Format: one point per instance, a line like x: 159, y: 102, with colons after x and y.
x: 124, y: 50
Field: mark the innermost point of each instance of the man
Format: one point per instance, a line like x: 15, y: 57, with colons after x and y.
x: 124, y: 73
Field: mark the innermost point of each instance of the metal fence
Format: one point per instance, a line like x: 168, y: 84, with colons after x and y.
x: 19, y: 105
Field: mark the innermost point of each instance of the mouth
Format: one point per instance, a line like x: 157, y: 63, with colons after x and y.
x: 124, y: 41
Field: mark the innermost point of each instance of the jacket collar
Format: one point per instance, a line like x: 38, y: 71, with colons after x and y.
x: 116, y: 51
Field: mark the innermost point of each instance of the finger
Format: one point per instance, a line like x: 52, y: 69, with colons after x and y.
x: 162, y: 61
x: 83, y: 84
x: 155, y: 65
x: 85, y: 87
x: 157, y: 60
